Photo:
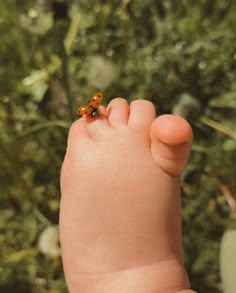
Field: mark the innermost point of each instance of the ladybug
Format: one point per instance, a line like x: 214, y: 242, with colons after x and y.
x: 96, y: 100
x: 91, y: 110
x: 84, y: 110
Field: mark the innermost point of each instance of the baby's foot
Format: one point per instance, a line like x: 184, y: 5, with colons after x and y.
x: 120, y: 221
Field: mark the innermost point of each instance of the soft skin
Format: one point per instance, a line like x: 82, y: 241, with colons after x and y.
x: 120, y: 223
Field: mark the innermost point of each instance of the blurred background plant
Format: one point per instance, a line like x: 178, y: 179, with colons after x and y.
x: 54, y: 55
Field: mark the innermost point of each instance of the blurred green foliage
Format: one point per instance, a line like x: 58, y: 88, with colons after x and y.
x: 54, y: 55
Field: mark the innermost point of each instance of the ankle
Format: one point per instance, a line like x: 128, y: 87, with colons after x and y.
x: 163, y: 277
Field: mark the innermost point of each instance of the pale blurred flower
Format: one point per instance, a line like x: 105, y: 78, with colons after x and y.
x: 48, y: 242
x: 36, y: 21
x: 101, y: 72
x: 186, y: 106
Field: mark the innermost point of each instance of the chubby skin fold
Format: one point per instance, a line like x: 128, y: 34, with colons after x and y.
x: 120, y: 224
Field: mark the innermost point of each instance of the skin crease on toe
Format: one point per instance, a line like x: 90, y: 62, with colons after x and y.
x: 119, y: 209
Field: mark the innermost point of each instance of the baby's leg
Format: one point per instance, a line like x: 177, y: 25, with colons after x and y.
x: 120, y: 224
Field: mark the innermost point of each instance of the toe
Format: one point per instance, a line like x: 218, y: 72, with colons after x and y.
x: 142, y: 114
x: 78, y: 132
x: 118, y: 112
x: 97, y: 126
x: 78, y: 140
x: 171, y: 139
x: 78, y: 136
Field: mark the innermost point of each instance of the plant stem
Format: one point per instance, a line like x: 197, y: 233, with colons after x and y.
x: 66, y: 72
x: 218, y: 126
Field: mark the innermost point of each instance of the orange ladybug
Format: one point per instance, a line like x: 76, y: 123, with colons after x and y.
x: 91, y: 110
x: 96, y: 100
x: 84, y: 110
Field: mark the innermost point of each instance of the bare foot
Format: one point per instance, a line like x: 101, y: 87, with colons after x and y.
x: 120, y: 224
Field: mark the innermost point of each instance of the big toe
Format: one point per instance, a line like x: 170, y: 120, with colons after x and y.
x: 171, y: 140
